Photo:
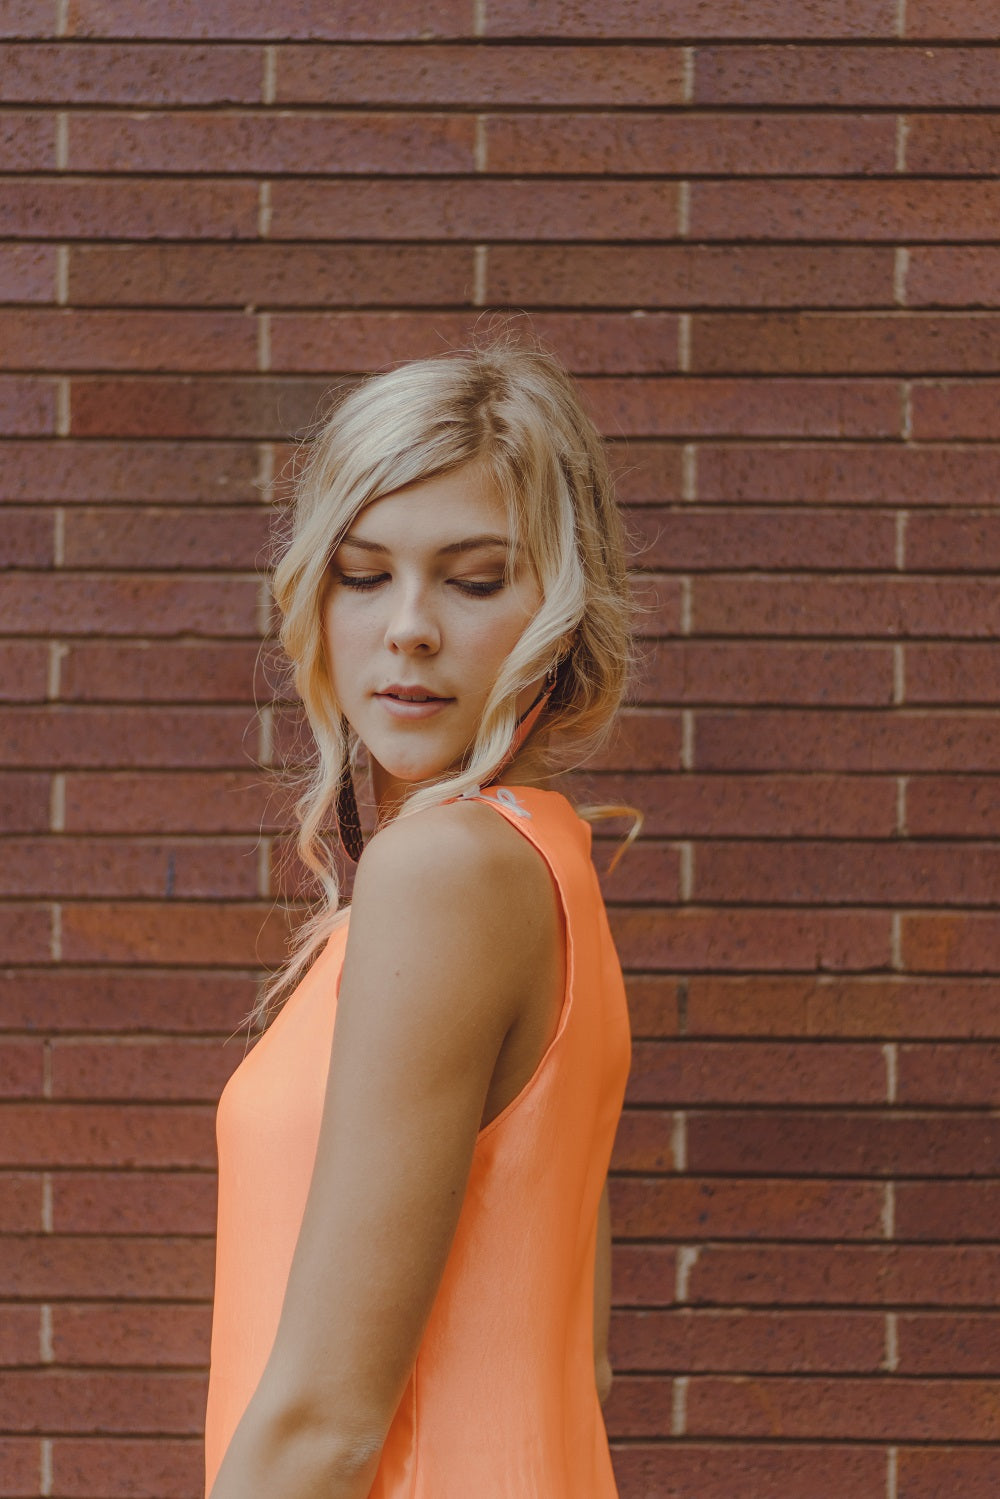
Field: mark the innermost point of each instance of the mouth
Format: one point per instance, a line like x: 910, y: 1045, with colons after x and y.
x: 413, y: 695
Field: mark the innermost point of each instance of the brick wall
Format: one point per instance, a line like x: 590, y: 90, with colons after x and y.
x: 764, y: 235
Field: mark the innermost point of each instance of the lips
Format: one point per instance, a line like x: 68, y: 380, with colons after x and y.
x: 403, y: 694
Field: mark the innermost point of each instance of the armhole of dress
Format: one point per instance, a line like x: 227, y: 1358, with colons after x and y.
x: 520, y: 818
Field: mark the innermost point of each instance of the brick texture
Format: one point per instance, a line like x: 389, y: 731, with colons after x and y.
x: 764, y: 237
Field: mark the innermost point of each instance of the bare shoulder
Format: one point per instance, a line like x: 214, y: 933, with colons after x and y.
x: 457, y: 878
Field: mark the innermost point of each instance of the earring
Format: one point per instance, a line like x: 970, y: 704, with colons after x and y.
x: 348, y: 817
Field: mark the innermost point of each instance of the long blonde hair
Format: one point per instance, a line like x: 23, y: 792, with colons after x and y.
x: 514, y: 410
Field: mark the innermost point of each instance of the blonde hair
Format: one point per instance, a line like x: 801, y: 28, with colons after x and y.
x: 515, y: 411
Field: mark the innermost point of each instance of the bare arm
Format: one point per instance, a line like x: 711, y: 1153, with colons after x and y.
x: 602, y: 1298
x: 435, y: 973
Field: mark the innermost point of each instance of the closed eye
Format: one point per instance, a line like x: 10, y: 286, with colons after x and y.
x: 361, y: 582
x: 478, y: 589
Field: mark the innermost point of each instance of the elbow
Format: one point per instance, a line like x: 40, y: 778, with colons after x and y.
x: 294, y: 1448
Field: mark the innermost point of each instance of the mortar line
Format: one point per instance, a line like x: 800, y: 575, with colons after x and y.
x: 480, y: 149
x: 684, y: 342
x: 898, y: 675
x: 689, y: 471
x: 62, y: 275
x: 63, y: 407
x: 902, y: 136
x: 687, y: 739
x: 678, y: 1140
x: 687, y: 75
x: 62, y: 140
x: 683, y: 209
x: 268, y: 82
x: 263, y: 210
x: 57, y: 803
x: 902, y: 785
x: 678, y: 1405
x: 890, y: 1053
x: 479, y: 271
x: 900, y: 273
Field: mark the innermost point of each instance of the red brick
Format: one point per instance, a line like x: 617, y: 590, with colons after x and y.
x: 26, y: 538
x: 925, y: 1473
x: 646, y: 472
x: 638, y: 1407
x: 954, y: 943
x: 155, y: 1468
x: 751, y: 939
x: 77, y: 604
x: 691, y: 144
x: 137, y: 535
x: 27, y: 407
x: 148, y: 802
x: 57, y: 866
x: 692, y: 18
x: 40, y: 1134
x: 160, y: 673
x: 956, y: 408
x: 120, y: 1334
x: 597, y: 343
x: 20, y: 1336
x: 804, y: 739
x: 176, y: 932
x: 804, y: 806
x: 856, y: 1409
x: 849, y: 474
x: 28, y: 141
x: 682, y: 1340
x: 121, y: 1268
x: 819, y: 1005
x: 953, y: 806
x: 906, y: 77
x: 845, y: 1275
x: 696, y: 672
x: 21, y: 1069
x: 682, y: 1207
x: 99, y: 208
x: 688, y: 276
x: 739, y: 408
x: 181, y: 1071
x: 659, y: 603
x: 655, y: 1004
x: 692, y: 538
x: 859, y: 873
x: 27, y: 272
x: 124, y: 737
x: 26, y: 933
x: 472, y: 209
x: 953, y: 145
x: 841, y: 1144
x: 23, y: 671
x: 880, y: 606
x: 645, y: 739
x: 269, y: 275
x: 91, y: 1402
x: 956, y: 542
x: 244, y: 19
x: 643, y: 1275
x: 947, y: 1210
x: 959, y: 20
x: 651, y: 872
x: 952, y: 674
x: 135, y: 1202
x: 20, y: 1202
x: 20, y: 1457
x: 475, y: 75
x: 678, y: 1073
x: 936, y: 1343
x: 844, y: 343
x: 66, y: 73
x: 193, y: 407
x: 203, y: 141
x: 27, y: 18
x: 953, y: 276
x: 64, y: 999
x: 788, y: 208
x: 24, y: 802
x: 61, y: 339
x: 67, y: 472
x: 702, y: 1470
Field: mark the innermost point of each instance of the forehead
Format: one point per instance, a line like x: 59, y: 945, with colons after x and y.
x: 435, y: 512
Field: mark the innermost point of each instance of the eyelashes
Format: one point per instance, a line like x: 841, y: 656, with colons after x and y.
x: 472, y: 588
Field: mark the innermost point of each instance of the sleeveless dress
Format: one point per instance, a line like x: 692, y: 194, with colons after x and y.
x: 501, y: 1402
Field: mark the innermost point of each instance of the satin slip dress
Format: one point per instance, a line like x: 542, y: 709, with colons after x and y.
x: 501, y: 1402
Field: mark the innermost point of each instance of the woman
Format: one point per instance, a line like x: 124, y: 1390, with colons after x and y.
x: 414, y: 1246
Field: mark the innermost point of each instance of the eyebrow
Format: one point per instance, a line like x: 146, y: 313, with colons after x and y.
x: 467, y: 544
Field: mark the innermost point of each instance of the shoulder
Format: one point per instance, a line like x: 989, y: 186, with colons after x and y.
x: 456, y: 880
x: 463, y: 848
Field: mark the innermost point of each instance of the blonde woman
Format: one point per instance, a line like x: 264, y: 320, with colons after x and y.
x: 414, y: 1247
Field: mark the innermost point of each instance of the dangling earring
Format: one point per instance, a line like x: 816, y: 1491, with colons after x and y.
x: 348, y: 817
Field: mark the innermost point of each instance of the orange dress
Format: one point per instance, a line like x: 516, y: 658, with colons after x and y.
x: 501, y: 1403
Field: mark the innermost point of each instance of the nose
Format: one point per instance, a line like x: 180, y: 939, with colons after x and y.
x: 412, y: 627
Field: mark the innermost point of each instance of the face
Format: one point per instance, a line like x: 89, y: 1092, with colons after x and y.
x: 420, y: 614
